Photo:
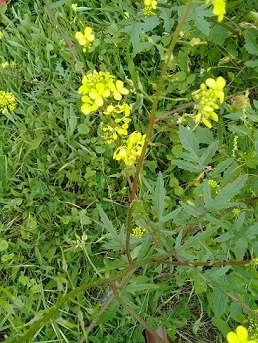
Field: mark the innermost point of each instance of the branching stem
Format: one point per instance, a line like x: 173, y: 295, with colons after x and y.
x: 151, y: 124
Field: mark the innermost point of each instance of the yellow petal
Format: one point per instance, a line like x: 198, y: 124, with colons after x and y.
x: 232, y: 338
x: 242, y: 333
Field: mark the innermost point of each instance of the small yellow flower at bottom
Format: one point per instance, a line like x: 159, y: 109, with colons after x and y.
x: 240, y: 336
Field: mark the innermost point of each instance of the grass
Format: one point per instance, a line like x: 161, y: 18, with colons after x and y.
x: 56, y: 172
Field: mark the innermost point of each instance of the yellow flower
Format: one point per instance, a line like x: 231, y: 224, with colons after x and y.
x: 97, y: 87
x: 74, y: 7
x: 4, y: 64
x: 219, y: 8
x: 131, y: 150
x: 7, y: 102
x: 85, y: 38
x: 240, y: 336
x: 149, y: 7
x: 138, y: 232
x: 209, y: 94
x: 118, y: 89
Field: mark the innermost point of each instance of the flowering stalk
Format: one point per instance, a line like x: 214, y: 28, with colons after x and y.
x: 151, y: 124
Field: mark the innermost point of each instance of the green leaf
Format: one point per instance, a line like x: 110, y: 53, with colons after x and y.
x: 207, y: 193
x: 219, y: 302
x: 58, y: 3
x: 107, y: 223
x: 251, y: 64
x: 170, y: 216
x: 187, y: 166
x: 159, y: 197
x: 3, y: 244
x: 218, y: 34
x: 238, y: 129
x: 199, y: 237
x: 190, y: 209
x: 221, y: 325
x: 221, y: 167
x: 251, y: 44
x: 209, y: 152
x: 136, y: 28
x: 221, y: 201
x: 189, y: 141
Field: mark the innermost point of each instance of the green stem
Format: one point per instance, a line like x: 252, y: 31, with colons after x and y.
x: 135, y: 315
x: 151, y: 124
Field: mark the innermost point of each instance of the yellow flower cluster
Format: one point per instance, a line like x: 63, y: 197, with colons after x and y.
x: 213, y: 183
x: 7, y: 102
x: 85, y: 39
x: 102, y: 91
x: 131, y: 150
x: 150, y: 7
x: 219, y: 8
x: 5, y: 65
x: 240, y: 336
x: 138, y: 232
x: 120, y: 123
x: 207, y: 97
x: 97, y: 87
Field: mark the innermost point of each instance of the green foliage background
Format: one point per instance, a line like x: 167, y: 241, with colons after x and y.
x: 64, y: 199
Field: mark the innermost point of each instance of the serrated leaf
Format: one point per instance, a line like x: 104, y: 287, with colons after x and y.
x: 202, y: 25
x: 135, y: 29
x: 200, y: 285
x: 238, y: 129
x: 251, y: 64
x: 252, y: 232
x: 199, y: 237
x: 209, y: 153
x: 240, y: 248
x: 218, y: 34
x: 188, y: 166
x: 190, y: 209
x: 170, y: 216
x: 221, y: 201
x: 251, y: 44
x: 219, y: 302
x: 107, y: 223
x: 188, y: 141
x: 221, y: 167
